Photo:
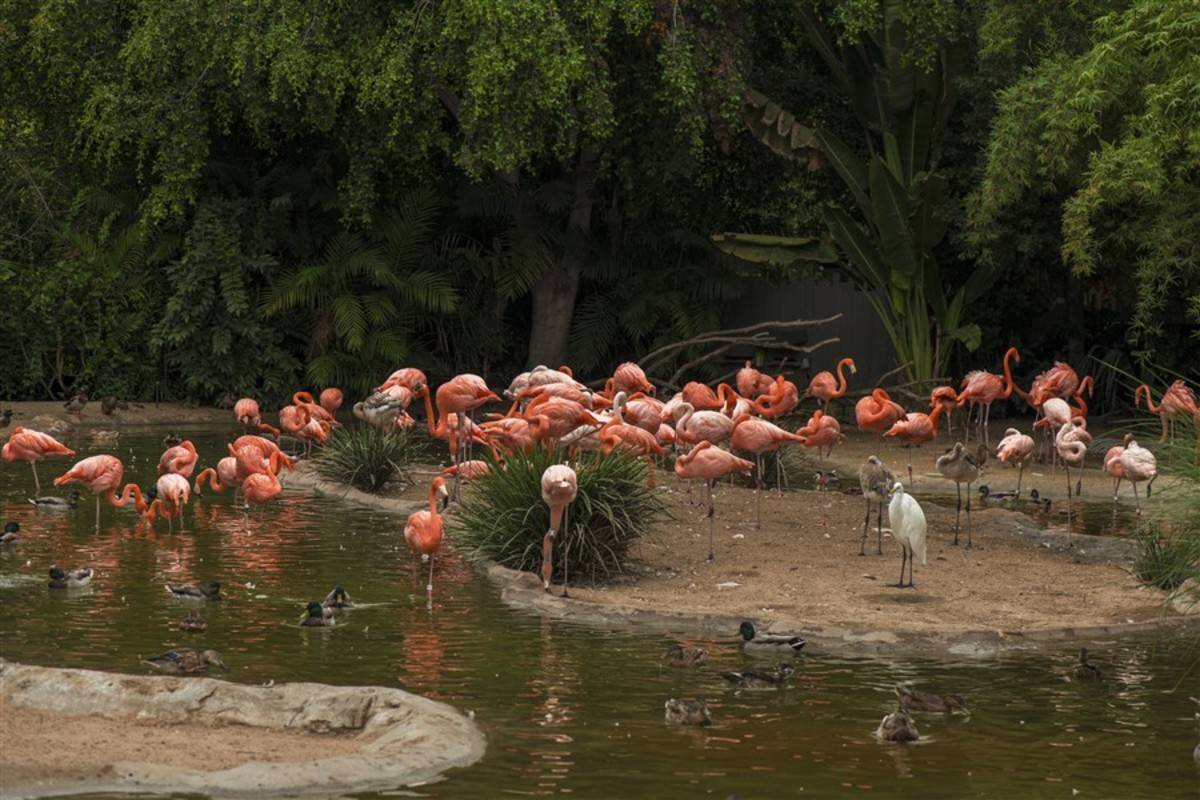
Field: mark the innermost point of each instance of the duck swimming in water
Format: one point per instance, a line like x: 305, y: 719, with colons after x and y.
x: 761, y: 680
x: 679, y: 656
x: 50, y: 503
x: 687, y: 712
x: 897, y: 727
x: 69, y: 579
x: 317, y: 616
x: 11, y: 529
x: 1086, y: 670
x: 916, y: 700
x: 209, y: 590
x: 337, y: 598
x: 752, y: 640
x: 185, y: 661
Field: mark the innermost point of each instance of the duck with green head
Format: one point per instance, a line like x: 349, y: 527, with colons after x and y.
x: 51, y: 503
x: 337, y: 598
x: 317, y: 616
x: 754, y: 640
x: 11, y: 531
x: 69, y: 579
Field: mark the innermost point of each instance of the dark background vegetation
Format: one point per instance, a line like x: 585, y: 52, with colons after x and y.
x: 200, y: 198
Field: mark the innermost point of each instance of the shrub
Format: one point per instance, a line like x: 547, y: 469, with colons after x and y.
x: 366, y: 458
x: 1167, y: 561
x: 503, y: 517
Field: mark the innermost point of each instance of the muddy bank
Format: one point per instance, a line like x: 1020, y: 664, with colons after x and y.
x: 130, y: 733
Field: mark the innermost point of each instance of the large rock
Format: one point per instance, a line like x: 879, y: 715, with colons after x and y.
x: 404, y: 738
x: 1186, y: 599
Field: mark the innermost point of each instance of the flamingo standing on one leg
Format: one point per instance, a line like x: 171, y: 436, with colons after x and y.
x: 708, y: 462
x: 947, y: 398
x: 780, y: 400
x: 1140, y: 465
x: 1114, y: 467
x: 759, y: 437
x: 560, y: 487
x: 460, y: 395
x: 424, y: 529
x: 877, y: 412
x: 914, y: 430
x: 1016, y: 448
x: 984, y: 388
x: 102, y: 475
x: 825, y: 387
x: 822, y: 430
x: 32, y: 446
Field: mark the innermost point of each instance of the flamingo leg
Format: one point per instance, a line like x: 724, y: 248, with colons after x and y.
x: 758, y: 468
x: 1020, y: 475
x: 862, y: 548
x: 37, y: 484
x: 1136, y: 502
x: 97, y: 513
x: 908, y: 447
x: 429, y: 586
x: 566, y: 556
x: 969, y: 544
x: 711, y: 514
x: 547, y: 554
x: 1068, y: 468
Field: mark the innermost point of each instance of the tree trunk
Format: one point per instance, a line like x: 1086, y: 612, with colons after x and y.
x: 555, y: 292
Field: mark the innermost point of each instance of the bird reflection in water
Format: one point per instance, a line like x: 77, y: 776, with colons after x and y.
x: 557, y: 683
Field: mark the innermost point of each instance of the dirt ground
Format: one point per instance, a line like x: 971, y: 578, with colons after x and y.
x: 804, y: 564
x: 32, y: 744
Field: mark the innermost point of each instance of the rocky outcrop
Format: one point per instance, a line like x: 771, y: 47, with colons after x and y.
x: 1186, y: 599
x: 395, y: 738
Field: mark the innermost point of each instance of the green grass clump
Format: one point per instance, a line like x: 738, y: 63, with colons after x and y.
x: 1166, y: 561
x: 366, y: 458
x: 503, y: 517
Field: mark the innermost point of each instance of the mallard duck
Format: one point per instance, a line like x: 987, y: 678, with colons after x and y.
x: 172, y: 440
x: 761, y: 680
x: 193, y: 622
x: 104, y: 437
x: 49, y: 503
x: 209, y: 590
x: 76, y: 404
x: 779, y: 642
x: 338, y: 598
x: 679, y: 656
x: 1085, y: 670
x: 687, y: 712
x: 185, y: 661
x: 916, y: 700
x: 10, y: 532
x: 5, y: 417
x: 69, y: 579
x: 317, y: 616
x: 897, y: 727
x: 110, y: 405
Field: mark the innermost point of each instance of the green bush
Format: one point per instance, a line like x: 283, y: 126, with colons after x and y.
x: 1167, y: 561
x: 366, y: 458
x: 504, y: 519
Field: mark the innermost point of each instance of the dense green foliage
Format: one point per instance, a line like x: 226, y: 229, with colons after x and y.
x: 1167, y: 560
x: 366, y: 458
x: 504, y: 519
x: 200, y: 199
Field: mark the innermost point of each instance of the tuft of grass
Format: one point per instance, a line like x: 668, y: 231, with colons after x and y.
x: 1166, y: 561
x: 503, y: 517
x: 366, y: 458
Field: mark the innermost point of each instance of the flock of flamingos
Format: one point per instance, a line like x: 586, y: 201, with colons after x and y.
x: 549, y: 406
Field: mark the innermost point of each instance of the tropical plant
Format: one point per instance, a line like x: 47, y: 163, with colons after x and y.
x: 902, y: 100
x: 504, y: 519
x: 1166, y: 561
x: 368, y: 292
x: 367, y: 458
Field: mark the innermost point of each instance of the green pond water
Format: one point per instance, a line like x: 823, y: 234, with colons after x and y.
x: 571, y: 710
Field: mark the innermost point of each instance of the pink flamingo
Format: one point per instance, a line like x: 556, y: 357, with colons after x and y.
x: 822, y: 430
x: 631, y: 440
x: 262, y: 487
x: 460, y: 395
x: 560, y: 487
x: 877, y: 412
x: 180, y: 459
x: 708, y: 462
x: 947, y: 398
x: 759, y: 437
x: 424, y: 529
x: 751, y: 383
x: 692, y: 426
x: 331, y: 400
x: 32, y: 446
x: 1071, y: 444
x: 1016, y: 448
x: 247, y: 413
x: 780, y: 401
x: 628, y: 377
x: 219, y: 479
x: 173, y: 492
x: 1140, y: 465
x: 914, y: 430
x: 701, y: 397
x: 825, y: 387
x: 1177, y: 401
x: 102, y: 475
x: 410, y: 378
x: 980, y: 388
x: 1113, y: 465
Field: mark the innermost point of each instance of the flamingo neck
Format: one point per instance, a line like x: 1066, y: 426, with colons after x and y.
x: 934, y: 415
x: 130, y: 490
x: 433, y: 431
x: 841, y: 378
x: 1153, y: 409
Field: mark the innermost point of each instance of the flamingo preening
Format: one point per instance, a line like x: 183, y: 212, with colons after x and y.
x: 1113, y: 465
x: 1071, y: 444
x: 877, y: 412
x: 1139, y: 465
x: 1016, y: 448
x: 172, y: 495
